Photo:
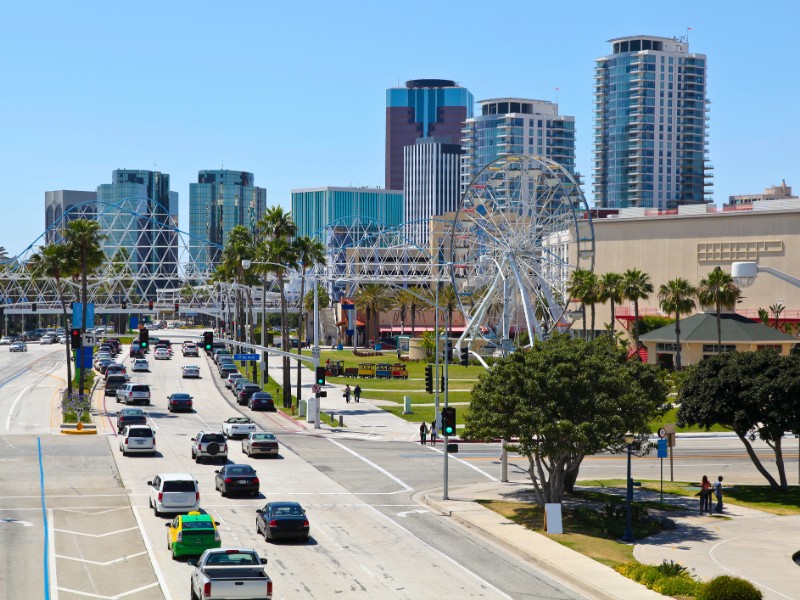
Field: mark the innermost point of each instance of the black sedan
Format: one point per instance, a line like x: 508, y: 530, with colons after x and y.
x: 179, y: 401
x: 282, y: 520
x: 243, y: 396
x: 261, y: 401
x: 236, y: 479
x: 130, y: 416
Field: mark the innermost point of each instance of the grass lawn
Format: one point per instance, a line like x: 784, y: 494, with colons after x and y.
x: 671, y: 416
x: 416, y: 369
x: 423, y: 413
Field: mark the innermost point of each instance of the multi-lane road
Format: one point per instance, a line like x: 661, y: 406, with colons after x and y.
x: 369, y: 538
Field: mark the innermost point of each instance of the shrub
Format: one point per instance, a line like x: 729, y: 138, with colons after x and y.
x: 725, y: 587
x: 678, y: 585
x: 670, y: 568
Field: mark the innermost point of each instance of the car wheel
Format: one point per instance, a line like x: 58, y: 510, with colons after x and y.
x: 156, y: 512
x: 222, y: 492
x: 169, y: 547
x: 258, y: 528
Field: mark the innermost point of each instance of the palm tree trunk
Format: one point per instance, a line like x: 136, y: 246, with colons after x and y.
x: 719, y: 330
x: 300, y: 330
x: 583, y: 319
x: 66, y: 346
x: 678, y: 340
x: 84, y: 308
x: 636, y: 321
x: 613, y: 317
x: 286, y: 347
x: 413, y: 318
x: 593, y: 318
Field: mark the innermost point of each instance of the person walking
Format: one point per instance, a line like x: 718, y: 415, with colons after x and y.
x: 347, y: 393
x: 718, y: 494
x: 423, y: 433
x: 357, y: 393
x: 705, y: 495
x: 433, y: 432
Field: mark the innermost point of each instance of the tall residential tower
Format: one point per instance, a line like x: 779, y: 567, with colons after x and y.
x: 650, y: 125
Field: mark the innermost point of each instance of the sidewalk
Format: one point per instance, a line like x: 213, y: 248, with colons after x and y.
x: 743, y: 542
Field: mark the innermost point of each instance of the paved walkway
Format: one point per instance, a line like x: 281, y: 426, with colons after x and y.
x: 742, y: 542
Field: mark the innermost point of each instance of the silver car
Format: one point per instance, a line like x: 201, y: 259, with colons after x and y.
x: 260, y: 442
x: 137, y: 438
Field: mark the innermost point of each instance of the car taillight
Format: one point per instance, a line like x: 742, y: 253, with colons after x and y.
x: 207, y: 589
x: 228, y: 480
x: 305, y: 523
x: 160, y: 496
x: 125, y: 441
x: 197, y: 496
x: 269, y: 589
x: 179, y: 537
x: 255, y: 480
x: 216, y: 536
x: 224, y: 447
x: 273, y: 523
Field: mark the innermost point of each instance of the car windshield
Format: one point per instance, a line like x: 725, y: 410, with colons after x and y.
x: 140, y: 388
x: 181, y: 396
x: 191, y: 367
x: 179, y: 486
x: 214, y: 437
x: 143, y: 433
x: 263, y: 436
x: 239, y: 420
x: 207, y: 524
x: 131, y: 412
x: 232, y: 557
x: 287, y: 509
x: 240, y: 470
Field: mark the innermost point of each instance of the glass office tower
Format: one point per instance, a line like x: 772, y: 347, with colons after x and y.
x: 423, y: 108
x: 650, y: 125
x: 218, y: 202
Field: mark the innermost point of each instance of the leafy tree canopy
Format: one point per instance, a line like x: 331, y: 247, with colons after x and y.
x: 563, y: 399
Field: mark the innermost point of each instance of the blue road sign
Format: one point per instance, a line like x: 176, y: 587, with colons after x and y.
x: 245, y: 357
x: 83, y: 357
x: 349, y: 331
x: 77, y: 315
x: 662, y: 449
x: 134, y: 322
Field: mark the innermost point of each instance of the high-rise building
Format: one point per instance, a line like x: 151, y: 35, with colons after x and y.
x: 59, y: 202
x: 516, y: 126
x: 138, y: 214
x: 431, y: 185
x: 423, y: 108
x: 218, y: 202
x: 650, y: 125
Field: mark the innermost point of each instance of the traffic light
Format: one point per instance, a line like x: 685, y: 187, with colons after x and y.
x: 448, y: 421
x: 124, y: 304
x: 208, y: 340
x: 464, y: 356
x: 448, y: 350
x: 75, y: 337
x: 150, y: 305
x: 429, y: 379
x: 144, y: 337
x: 177, y: 306
x: 33, y: 306
x: 320, y: 375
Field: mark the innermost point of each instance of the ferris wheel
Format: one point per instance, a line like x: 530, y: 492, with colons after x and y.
x: 522, y: 228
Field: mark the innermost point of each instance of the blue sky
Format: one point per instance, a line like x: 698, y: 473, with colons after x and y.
x: 295, y: 92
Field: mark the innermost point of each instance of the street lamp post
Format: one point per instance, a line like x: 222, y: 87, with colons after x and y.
x: 628, y: 535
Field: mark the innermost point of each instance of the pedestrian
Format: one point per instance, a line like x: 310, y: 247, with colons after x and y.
x: 718, y: 494
x: 423, y: 433
x: 705, y: 495
x: 357, y: 393
x: 347, y: 393
x: 433, y: 432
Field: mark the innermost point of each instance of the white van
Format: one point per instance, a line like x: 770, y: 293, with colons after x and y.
x: 137, y: 438
x: 174, y: 493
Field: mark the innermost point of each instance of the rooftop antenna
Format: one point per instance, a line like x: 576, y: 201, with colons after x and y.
x: 557, y: 90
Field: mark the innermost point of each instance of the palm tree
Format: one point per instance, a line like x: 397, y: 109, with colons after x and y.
x: 611, y: 289
x: 584, y: 286
x: 310, y: 253
x: 238, y: 247
x: 408, y: 299
x: 56, y: 262
x: 82, y: 239
x: 374, y: 299
x: 718, y: 290
x: 677, y: 296
x: 636, y: 286
x: 278, y: 230
x: 3, y: 254
x: 776, y: 309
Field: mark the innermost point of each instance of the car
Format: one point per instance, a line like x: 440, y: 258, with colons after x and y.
x: 115, y: 368
x: 140, y: 364
x: 114, y: 382
x: 282, y: 520
x: 247, y: 390
x: 131, y: 393
x: 130, y: 416
x: 260, y: 442
x: 5, y: 341
x: 241, y: 479
x: 62, y: 339
x: 261, y: 401
x: 237, y: 385
x: 18, y: 347
x: 179, y: 401
x: 190, y: 371
x: 230, y: 379
x: 174, y: 493
x: 137, y: 438
x: 48, y: 338
x: 192, y: 534
x: 102, y: 364
x: 162, y: 353
x: 219, y: 353
x: 136, y: 351
x: 227, y: 370
x: 190, y: 350
x: 211, y: 445
x: 107, y: 348
x: 238, y: 427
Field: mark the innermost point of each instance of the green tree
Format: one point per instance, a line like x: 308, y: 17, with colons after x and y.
x: 636, y: 286
x: 565, y: 398
x: 310, y: 252
x: 718, y: 290
x: 374, y: 299
x: 238, y: 247
x: 754, y: 394
x: 409, y: 300
x: 763, y: 315
x: 677, y: 297
x: 776, y: 310
x: 612, y: 290
x: 278, y: 230
x: 83, y: 239
x: 56, y: 262
x: 584, y: 286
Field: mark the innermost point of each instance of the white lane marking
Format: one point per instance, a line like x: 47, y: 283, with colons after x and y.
x: 14, y: 406
x: 96, y: 535
x: 405, y: 486
x: 23, y: 523
x: 51, y: 559
x: 465, y: 463
x: 117, y: 597
x: 102, y: 564
x: 151, y: 553
x: 405, y: 513
x: 92, y: 512
x: 443, y: 555
x: 367, y: 571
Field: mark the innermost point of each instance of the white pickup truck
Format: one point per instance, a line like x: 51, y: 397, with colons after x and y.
x: 230, y: 574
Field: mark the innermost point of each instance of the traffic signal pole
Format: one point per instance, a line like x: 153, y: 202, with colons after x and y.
x: 445, y: 495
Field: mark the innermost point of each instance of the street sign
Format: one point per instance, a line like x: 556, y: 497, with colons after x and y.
x: 349, y: 331
x: 662, y: 449
x: 662, y: 433
x: 315, y: 388
x: 88, y: 339
x: 245, y: 357
x: 315, y: 352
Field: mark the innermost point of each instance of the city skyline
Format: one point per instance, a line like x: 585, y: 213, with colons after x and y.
x: 318, y: 118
